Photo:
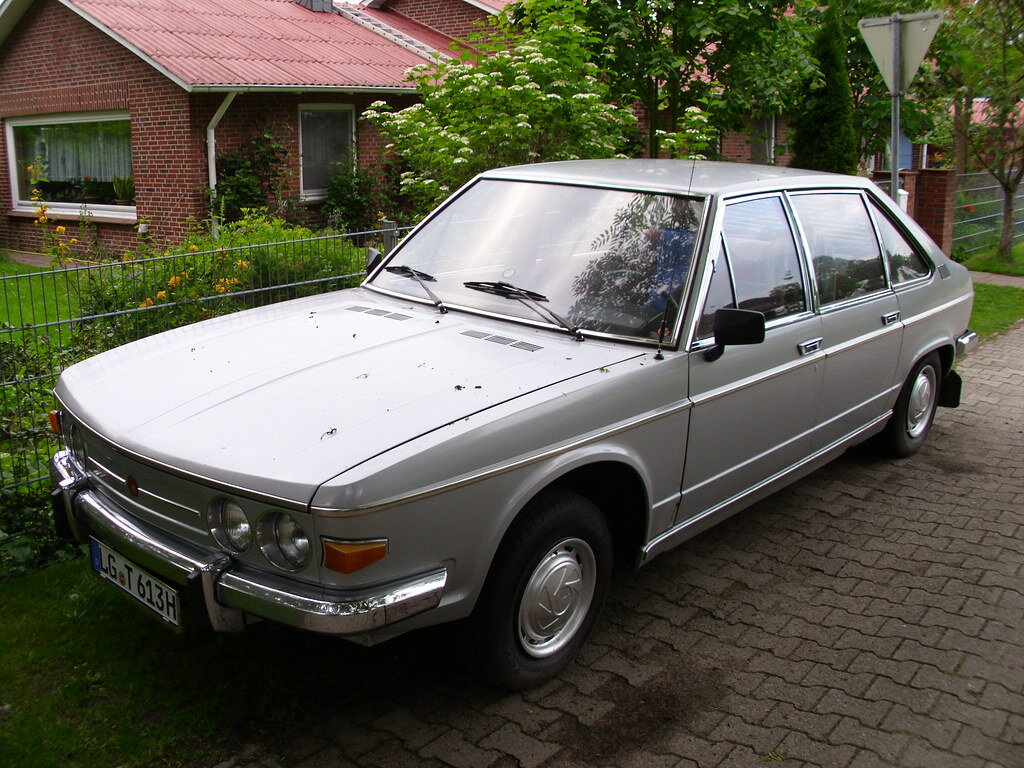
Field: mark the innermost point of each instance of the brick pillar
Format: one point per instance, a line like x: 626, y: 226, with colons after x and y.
x: 933, y: 209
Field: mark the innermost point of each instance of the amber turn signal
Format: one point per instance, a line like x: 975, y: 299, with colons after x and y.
x: 351, y: 556
x: 55, y: 422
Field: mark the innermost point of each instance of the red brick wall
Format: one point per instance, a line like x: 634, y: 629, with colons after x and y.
x: 933, y: 210
x: 736, y: 145
x: 55, y: 62
x: 454, y: 18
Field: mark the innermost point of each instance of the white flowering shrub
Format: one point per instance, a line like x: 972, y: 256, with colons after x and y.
x: 510, y: 100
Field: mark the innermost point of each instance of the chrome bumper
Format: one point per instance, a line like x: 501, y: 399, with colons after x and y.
x: 228, y: 591
x: 965, y: 341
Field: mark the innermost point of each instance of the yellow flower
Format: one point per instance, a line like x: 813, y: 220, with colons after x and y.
x: 161, y: 295
x: 220, y: 288
x: 174, y: 282
x: 147, y: 303
x: 242, y: 264
x: 60, y: 230
x: 193, y: 248
x: 73, y: 240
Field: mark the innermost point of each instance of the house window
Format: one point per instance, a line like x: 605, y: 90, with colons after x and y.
x: 80, y: 161
x: 325, y: 140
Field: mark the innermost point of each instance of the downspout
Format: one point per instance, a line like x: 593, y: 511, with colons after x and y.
x: 211, y: 153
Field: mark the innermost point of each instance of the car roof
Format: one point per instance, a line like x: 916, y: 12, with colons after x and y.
x: 697, y: 177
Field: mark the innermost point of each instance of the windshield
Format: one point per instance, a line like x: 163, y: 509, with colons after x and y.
x: 605, y: 260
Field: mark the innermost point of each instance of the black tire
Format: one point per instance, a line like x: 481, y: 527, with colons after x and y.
x: 543, y: 593
x: 915, y: 408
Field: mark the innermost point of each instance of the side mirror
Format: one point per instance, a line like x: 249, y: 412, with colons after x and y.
x: 735, y: 326
x: 373, y: 258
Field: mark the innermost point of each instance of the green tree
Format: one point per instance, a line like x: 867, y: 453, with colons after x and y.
x: 872, y: 105
x: 731, y: 58
x: 991, y: 44
x: 823, y: 138
x: 505, y: 100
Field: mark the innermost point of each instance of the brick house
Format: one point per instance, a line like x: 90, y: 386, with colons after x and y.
x: 149, y: 91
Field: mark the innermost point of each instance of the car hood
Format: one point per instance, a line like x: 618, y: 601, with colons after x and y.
x: 279, y: 399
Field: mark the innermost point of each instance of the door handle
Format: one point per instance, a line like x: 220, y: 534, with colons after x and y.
x: 809, y: 346
x: 891, y: 317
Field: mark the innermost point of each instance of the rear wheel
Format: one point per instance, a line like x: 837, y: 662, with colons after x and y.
x: 915, y: 408
x: 544, y: 591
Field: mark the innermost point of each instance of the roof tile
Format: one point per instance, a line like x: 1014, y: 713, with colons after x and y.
x: 253, y: 43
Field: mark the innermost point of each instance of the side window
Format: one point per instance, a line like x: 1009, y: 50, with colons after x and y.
x: 720, y: 296
x: 842, y: 244
x: 763, y: 257
x: 905, y: 262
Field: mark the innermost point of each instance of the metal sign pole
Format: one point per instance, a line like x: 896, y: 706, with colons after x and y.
x: 894, y: 139
x: 898, y: 59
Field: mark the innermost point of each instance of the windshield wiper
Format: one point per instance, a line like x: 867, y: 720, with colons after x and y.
x: 421, y: 278
x: 527, y: 297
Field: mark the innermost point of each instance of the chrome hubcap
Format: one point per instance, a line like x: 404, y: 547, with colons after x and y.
x: 922, y: 402
x: 557, y: 597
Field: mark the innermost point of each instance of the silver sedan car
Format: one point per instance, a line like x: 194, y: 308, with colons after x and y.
x: 563, y: 366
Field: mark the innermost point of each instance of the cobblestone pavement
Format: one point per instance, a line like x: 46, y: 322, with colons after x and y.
x: 870, y: 615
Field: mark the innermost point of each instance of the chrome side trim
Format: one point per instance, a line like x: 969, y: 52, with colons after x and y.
x: 230, y: 592
x: 866, y: 338
x: 503, y: 469
x: 938, y: 310
x: 709, y: 517
x: 781, y: 370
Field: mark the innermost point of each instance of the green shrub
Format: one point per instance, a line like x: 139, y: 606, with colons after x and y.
x: 256, y: 260
x: 352, y: 201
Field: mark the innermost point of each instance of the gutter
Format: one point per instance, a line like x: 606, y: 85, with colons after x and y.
x: 211, y: 149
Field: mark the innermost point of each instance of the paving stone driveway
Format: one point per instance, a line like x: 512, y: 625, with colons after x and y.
x: 870, y: 615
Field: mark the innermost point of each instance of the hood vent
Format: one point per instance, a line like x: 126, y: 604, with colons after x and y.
x: 380, y: 313
x: 484, y: 336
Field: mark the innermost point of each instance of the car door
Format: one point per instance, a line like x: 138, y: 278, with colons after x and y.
x: 860, y: 315
x: 754, y: 406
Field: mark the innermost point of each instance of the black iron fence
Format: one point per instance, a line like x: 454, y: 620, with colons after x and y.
x: 52, y: 318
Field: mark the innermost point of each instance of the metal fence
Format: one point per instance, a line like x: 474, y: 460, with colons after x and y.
x: 979, y: 213
x: 53, y: 318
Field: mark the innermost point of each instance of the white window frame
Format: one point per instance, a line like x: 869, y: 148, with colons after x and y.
x: 312, y: 195
x: 21, y: 198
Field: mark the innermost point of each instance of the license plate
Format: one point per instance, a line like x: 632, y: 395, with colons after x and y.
x: 130, y: 578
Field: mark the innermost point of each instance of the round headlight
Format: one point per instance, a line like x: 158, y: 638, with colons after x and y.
x: 229, y: 525
x: 283, y: 541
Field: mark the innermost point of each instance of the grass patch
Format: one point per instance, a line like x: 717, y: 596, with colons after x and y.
x: 996, y: 308
x: 32, y: 295
x: 987, y: 261
x: 88, y: 680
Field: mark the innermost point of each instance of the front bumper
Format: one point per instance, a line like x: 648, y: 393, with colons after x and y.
x: 229, y: 592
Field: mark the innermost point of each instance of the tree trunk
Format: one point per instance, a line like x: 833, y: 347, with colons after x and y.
x: 1005, y: 251
x: 963, y: 108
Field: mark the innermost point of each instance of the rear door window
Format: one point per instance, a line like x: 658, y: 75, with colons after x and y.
x: 841, y: 241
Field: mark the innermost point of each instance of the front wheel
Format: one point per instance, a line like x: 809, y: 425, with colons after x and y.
x: 544, y: 591
x: 915, y: 408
